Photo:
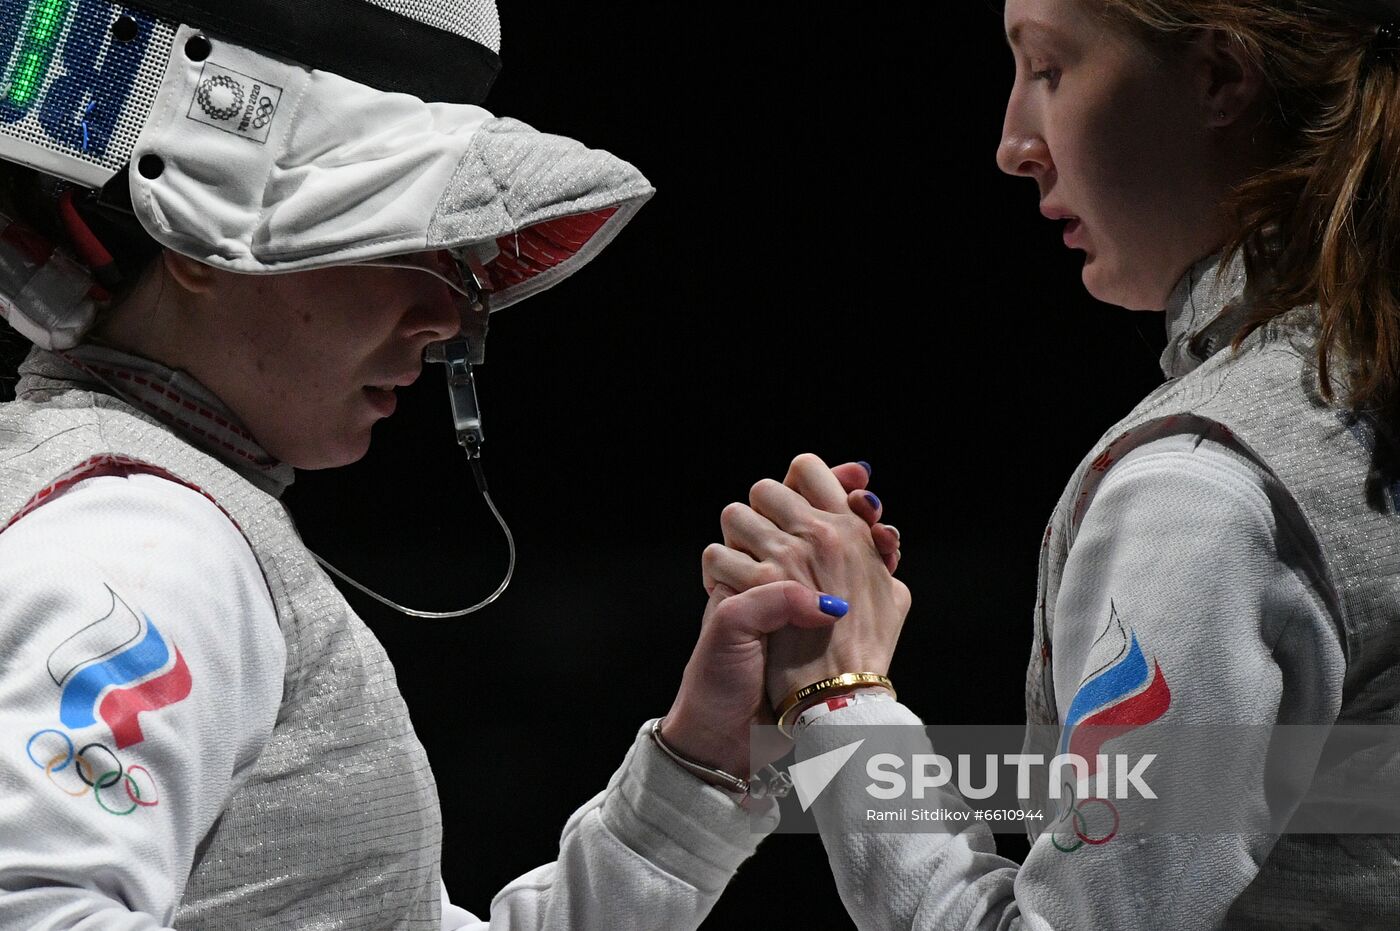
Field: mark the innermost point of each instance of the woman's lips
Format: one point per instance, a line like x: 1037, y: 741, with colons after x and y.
x: 1074, y: 230
x: 382, y: 400
x: 1073, y: 237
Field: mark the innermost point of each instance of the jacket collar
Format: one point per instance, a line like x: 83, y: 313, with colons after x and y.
x: 1203, y: 313
x: 179, y: 402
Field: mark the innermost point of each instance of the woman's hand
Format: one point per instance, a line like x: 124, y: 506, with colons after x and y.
x: 854, y: 477
x: 722, y: 691
x: 812, y: 530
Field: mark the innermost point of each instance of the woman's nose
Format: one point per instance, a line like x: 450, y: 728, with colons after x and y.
x: 437, y: 316
x: 446, y: 322
x: 1022, y: 150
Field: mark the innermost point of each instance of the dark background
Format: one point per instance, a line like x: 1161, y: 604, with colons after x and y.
x: 833, y: 263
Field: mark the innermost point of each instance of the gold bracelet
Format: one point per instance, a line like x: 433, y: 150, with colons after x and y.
x: 794, y: 701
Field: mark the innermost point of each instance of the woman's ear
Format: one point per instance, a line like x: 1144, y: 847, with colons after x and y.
x: 189, y: 274
x: 1229, y: 82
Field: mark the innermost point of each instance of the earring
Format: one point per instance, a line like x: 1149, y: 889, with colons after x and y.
x: 1220, y: 117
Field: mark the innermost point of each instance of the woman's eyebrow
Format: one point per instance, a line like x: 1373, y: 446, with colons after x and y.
x: 1013, y: 35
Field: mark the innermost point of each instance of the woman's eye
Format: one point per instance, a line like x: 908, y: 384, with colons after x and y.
x: 1049, y: 75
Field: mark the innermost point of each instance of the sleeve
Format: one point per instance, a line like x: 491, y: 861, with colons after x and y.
x: 653, y: 850
x: 1198, y: 556
x: 141, y: 669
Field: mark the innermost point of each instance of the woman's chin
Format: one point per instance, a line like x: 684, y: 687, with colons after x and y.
x: 309, y: 453
x: 1111, y: 286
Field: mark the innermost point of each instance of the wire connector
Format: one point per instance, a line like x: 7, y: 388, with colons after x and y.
x: 461, y: 388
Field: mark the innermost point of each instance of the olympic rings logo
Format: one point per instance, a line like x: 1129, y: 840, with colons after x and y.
x: 265, y: 110
x: 205, y: 96
x: 1081, y: 823
x: 103, y: 776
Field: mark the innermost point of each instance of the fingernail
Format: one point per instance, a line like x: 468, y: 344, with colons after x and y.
x: 866, y: 466
x: 873, y: 501
x: 834, y: 606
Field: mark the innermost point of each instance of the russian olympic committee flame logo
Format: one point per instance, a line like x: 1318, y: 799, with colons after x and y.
x: 114, y: 669
x: 1120, y: 695
x: 117, y: 668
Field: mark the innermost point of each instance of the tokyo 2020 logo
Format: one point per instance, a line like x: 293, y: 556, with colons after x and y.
x: 220, y: 96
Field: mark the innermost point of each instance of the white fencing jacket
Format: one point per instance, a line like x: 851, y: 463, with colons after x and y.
x: 144, y: 677
x: 1234, y: 527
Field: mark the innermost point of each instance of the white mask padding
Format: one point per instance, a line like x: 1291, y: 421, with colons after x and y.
x: 44, y: 294
x: 312, y: 170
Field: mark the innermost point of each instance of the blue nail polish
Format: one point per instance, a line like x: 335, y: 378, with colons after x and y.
x: 834, y: 606
x: 866, y: 466
x: 873, y: 501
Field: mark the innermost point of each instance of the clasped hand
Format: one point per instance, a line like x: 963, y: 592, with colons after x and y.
x: 767, y: 629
